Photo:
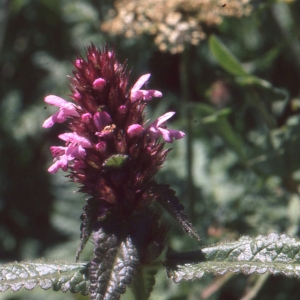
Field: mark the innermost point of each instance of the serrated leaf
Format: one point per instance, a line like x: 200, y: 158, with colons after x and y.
x: 115, y: 161
x: 167, y: 199
x: 143, y: 282
x: 92, y: 211
x: 225, y: 58
x: 28, y: 275
x: 113, y: 264
x: 273, y: 254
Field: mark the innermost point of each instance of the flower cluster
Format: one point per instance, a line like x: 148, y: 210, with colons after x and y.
x: 173, y: 23
x: 111, y: 151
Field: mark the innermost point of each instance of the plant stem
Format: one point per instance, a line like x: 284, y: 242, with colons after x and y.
x: 185, y: 92
x: 256, y: 288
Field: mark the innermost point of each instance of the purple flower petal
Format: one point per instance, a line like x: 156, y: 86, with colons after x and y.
x: 158, y: 128
x: 101, y: 119
x: 56, y: 101
x: 135, y: 130
x: 122, y: 109
x: 61, y: 163
x: 75, y: 151
x: 165, y: 133
x: 78, y: 63
x: 85, y: 118
x: 141, y: 81
x: 162, y: 119
x: 177, y: 134
x: 74, y: 138
x: 49, y: 122
x: 57, y: 150
x: 76, y: 96
x: 99, y: 84
x: 66, y: 110
x: 137, y: 93
x: 63, y: 155
x: 101, y: 146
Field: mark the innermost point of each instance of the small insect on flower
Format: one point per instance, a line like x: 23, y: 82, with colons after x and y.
x: 224, y: 5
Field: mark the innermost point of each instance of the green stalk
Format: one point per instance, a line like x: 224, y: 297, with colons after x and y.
x: 185, y: 95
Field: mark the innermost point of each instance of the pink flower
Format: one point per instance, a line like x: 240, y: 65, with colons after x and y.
x: 61, y: 162
x: 75, y: 149
x: 57, y: 151
x: 135, y: 130
x: 122, y: 109
x: 101, y: 119
x: 85, y: 118
x: 76, y: 96
x: 137, y: 93
x: 73, y: 139
x: 101, y: 146
x: 158, y: 128
x: 66, y: 110
x: 78, y: 63
x: 75, y: 145
x: 99, y: 84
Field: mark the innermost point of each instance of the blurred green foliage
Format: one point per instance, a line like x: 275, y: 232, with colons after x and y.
x: 242, y: 118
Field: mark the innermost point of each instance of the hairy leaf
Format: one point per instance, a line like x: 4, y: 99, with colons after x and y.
x: 65, y: 277
x: 113, y: 264
x: 92, y: 211
x: 273, y: 254
x: 143, y: 281
x: 124, y: 245
x: 168, y: 200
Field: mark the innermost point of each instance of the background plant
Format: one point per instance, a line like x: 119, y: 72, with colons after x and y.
x: 244, y: 169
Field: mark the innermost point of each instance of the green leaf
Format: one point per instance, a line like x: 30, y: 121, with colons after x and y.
x: 124, y: 245
x: 91, y: 213
x: 115, y: 161
x: 143, y: 282
x: 168, y: 200
x: 114, y: 261
x: 267, y: 59
x: 28, y: 275
x: 276, y: 157
x: 231, y: 64
x: 273, y: 254
x: 225, y: 58
x: 216, y: 121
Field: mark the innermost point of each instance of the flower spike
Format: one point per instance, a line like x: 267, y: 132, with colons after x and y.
x: 109, y: 151
x: 108, y: 120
